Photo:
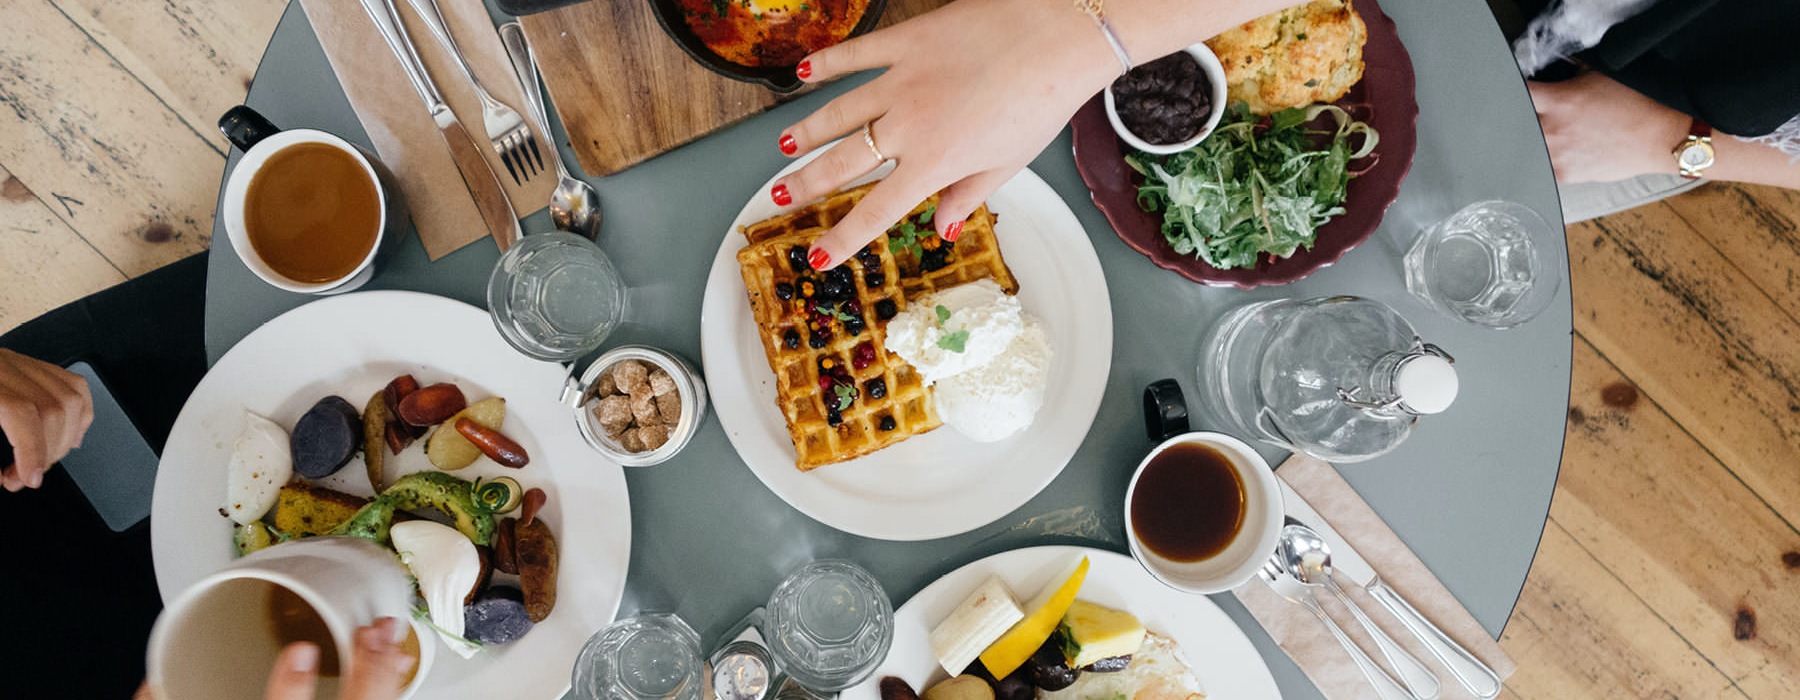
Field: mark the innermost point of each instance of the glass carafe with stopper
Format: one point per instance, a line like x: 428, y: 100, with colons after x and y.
x: 1341, y: 378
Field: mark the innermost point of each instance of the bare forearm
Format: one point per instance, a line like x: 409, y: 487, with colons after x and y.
x: 1150, y: 29
x: 1744, y: 161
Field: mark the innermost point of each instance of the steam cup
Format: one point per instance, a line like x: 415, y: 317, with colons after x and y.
x: 1166, y: 421
x: 216, y: 641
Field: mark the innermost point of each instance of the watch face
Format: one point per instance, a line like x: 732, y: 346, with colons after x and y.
x: 1695, y: 156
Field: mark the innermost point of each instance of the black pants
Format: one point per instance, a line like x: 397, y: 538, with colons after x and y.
x: 77, y: 599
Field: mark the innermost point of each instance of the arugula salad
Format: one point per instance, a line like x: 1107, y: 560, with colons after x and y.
x: 1252, y: 188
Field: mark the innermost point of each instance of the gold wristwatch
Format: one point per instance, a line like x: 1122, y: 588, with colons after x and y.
x: 1695, y: 153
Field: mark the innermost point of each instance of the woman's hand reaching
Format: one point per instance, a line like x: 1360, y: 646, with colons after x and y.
x: 972, y: 93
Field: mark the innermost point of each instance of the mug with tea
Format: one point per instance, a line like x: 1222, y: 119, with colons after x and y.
x: 219, y: 639
x: 305, y: 210
x: 1203, y: 511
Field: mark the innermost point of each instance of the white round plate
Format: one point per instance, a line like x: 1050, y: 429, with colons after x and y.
x: 352, y: 346
x: 1222, y: 658
x: 937, y: 484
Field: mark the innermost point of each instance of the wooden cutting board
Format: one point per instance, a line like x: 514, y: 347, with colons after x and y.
x: 627, y: 92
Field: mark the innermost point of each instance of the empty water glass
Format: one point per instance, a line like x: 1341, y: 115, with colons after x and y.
x: 648, y: 657
x: 555, y: 296
x: 829, y: 625
x: 1494, y: 263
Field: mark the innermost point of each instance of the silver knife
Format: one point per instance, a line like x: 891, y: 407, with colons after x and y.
x: 1474, y: 675
x: 478, y: 176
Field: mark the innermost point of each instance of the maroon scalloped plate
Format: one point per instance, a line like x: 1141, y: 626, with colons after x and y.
x: 1384, y: 98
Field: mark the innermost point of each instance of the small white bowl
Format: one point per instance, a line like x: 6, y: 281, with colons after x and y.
x: 1215, y: 74
x: 1255, y: 542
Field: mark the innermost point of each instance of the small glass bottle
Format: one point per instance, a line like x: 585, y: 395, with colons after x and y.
x: 1342, y: 379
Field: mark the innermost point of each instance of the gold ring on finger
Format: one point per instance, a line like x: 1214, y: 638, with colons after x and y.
x: 869, y: 139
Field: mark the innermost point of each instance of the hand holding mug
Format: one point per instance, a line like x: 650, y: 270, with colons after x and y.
x: 380, y: 672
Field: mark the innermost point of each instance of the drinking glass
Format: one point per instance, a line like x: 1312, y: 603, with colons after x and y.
x: 829, y: 625
x: 648, y: 657
x: 1494, y: 264
x: 555, y: 296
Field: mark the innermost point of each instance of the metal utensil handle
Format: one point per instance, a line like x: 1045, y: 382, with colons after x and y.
x: 1474, y: 675
x: 1418, y: 679
x: 387, y: 21
x: 434, y: 19
x: 512, y: 36
x: 1383, y: 683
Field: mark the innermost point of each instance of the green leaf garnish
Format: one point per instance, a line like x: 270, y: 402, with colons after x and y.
x: 719, y: 6
x: 1251, y: 189
x: 954, y: 342
x: 943, y: 314
x: 833, y: 311
x: 845, y: 395
x: 907, y: 235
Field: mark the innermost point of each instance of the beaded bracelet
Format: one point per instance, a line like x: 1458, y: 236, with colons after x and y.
x: 1096, y: 10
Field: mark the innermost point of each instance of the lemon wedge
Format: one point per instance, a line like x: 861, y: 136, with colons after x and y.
x: 1047, y: 610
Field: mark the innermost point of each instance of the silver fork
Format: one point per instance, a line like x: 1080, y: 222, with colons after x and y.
x: 1290, y: 588
x: 508, y: 132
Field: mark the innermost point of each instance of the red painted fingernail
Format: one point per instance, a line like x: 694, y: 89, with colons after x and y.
x: 818, y: 259
x: 789, y: 145
x: 804, y: 70
x: 781, y: 196
x: 953, y: 231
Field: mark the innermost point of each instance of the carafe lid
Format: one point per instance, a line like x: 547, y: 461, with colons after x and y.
x: 1425, y: 383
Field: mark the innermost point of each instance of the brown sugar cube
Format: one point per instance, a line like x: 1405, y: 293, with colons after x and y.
x: 643, y: 410
x: 605, y: 385
x: 633, y: 441
x: 669, y: 405
x: 632, y: 377
x: 614, y: 413
x: 661, y: 384
x: 653, y: 436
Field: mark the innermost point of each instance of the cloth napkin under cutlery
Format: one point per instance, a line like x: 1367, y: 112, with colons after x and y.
x: 404, y: 135
x: 1306, y: 641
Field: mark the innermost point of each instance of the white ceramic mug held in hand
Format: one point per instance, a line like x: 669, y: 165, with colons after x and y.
x: 217, y: 641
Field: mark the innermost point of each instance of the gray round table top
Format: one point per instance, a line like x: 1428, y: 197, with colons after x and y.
x: 1469, y: 491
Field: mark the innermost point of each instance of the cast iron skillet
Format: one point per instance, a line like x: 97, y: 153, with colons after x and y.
x: 779, y: 79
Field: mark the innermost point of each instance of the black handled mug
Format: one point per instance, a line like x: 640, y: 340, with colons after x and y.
x: 261, y: 141
x: 1166, y: 424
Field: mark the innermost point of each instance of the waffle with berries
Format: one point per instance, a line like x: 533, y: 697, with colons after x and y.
x: 843, y: 394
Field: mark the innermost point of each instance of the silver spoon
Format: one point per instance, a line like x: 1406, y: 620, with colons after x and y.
x: 1308, y: 558
x: 574, y: 206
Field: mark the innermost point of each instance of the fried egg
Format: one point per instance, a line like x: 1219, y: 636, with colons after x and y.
x: 1158, y: 671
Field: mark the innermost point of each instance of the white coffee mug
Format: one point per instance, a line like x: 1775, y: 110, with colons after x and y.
x: 217, y: 640
x: 1165, y: 415
x: 260, y: 139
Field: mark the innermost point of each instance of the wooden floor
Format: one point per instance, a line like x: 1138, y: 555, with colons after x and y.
x: 1670, y: 567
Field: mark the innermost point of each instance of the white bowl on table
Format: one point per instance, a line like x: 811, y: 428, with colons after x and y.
x: 1215, y: 75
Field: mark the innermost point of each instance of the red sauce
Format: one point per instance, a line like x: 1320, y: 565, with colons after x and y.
x: 1188, y: 504
x: 771, y: 33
